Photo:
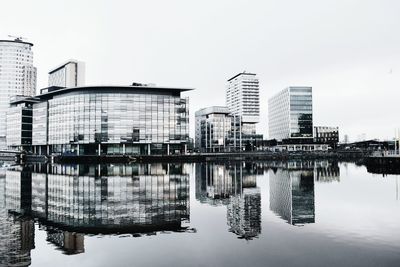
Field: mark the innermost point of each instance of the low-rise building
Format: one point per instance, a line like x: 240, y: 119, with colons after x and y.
x: 218, y: 130
x: 326, y: 135
x: 98, y: 120
x: 19, y: 123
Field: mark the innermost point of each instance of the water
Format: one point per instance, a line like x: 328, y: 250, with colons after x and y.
x: 211, y: 214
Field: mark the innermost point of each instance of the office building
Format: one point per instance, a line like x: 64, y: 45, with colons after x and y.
x: 326, y: 135
x: 17, y: 76
x: 97, y: 120
x: 68, y: 74
x: 218, y: 130
x: 243, y: 99
x: 19, y: 123
x: 290, y: 114
x: 215, y: 130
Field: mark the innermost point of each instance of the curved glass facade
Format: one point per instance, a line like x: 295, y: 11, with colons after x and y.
x: 112, y: 117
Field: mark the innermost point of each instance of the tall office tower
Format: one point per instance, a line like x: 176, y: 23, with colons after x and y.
x: 69, y: 74
x: 290, y: 114
x: 243, y: 99
x: 17, y: 76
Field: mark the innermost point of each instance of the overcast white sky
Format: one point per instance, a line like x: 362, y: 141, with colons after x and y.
x: 347, y: 50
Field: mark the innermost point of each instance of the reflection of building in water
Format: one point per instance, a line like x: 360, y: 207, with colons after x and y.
x: 216, y: 183
x: 70, y: 201
x: 69, y: 243
x: 131, y: 198
x: 244, y: 213
x: 16, y: 234
x: 18, y: 190
x: 292, y: 195
x: 235, y: 186
x: 327, y: 172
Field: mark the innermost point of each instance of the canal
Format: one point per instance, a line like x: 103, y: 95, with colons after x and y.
x: 271, y: 213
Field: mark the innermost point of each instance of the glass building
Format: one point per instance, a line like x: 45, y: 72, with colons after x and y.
x: 290, y: 114
x: 97, y: 120
x: 218, y: 130
x: 19, y: 123
x: 17, y: 77
x: 215, y: 130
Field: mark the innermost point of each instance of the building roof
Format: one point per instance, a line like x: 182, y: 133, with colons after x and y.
x: 211, y: 110
x: 242, y: 73
x: 26, y: 99
x: 60, y: 66
x: 140, y: 89
x: 16, y: 41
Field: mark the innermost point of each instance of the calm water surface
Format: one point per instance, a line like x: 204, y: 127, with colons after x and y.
x: 211, y: 214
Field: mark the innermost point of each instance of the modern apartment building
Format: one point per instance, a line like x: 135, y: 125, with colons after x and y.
x: 17, y: 76
x: 243, y: 99
x: 97, y: 120
x: 68, y: 74
x: 290, y: 114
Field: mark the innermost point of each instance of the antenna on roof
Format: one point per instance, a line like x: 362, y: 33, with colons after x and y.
x: 17, y: 38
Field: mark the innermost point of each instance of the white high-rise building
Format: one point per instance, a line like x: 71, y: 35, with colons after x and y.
x: 243, y: 99
x: 17, y: 76
x: 69, y: 74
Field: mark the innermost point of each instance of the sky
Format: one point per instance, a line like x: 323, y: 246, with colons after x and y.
x: 347, y: 50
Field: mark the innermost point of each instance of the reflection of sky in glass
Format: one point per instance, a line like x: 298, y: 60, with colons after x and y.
x: 344, y: 216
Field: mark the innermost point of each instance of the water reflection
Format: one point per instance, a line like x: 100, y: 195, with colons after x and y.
x: 233, y: 185
x: 69, y: 201
x: 16, y: 233
x: 291, y: 186
x: 292, y: 195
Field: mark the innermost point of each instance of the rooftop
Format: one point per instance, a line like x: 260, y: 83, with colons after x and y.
x: 60, y: 66
x: 142, y: 89
x: 242, y: 73
x: 16, y: 41
x: 213, y: 109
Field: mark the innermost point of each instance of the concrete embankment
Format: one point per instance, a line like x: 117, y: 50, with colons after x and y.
x: 201, y: 157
